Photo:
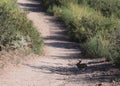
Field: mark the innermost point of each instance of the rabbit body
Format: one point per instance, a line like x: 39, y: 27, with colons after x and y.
x: 81, y: 66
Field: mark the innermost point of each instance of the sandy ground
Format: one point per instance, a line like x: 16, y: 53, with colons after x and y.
x: 57, y: 67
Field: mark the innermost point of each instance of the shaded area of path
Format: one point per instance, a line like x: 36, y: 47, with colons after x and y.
x: 57, y: 67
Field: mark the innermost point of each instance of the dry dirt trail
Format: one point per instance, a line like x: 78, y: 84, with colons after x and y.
x: 57, y: 67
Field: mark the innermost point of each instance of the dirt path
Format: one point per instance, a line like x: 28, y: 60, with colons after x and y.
x: 57, y: 67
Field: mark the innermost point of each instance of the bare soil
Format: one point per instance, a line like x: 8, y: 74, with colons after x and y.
x: 57, y: 66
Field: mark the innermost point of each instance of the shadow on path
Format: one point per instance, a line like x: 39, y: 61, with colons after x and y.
x: 110, y: 76
x: 31, y: 7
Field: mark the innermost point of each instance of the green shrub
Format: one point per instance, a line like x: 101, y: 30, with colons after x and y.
x: 115, y: 42
x: 106, y: 7
x: 15, y: 29
x: 81, y: 22
x: 73, y: 18
x: 97, y: 46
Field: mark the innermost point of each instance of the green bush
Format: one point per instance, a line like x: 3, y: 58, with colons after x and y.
x: 107, y: 7
x: 15, y: 29
x: 115, y: 42
x: 98, y: 46
x: 82, y: 24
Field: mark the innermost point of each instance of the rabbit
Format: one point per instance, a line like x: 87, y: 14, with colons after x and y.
x: 81, y: 66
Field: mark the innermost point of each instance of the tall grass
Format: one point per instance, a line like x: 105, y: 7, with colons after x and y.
x: 108, y: 8
x: 15, y: 29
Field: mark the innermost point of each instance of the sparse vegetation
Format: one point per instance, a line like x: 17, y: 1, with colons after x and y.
x: 93, y: 23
